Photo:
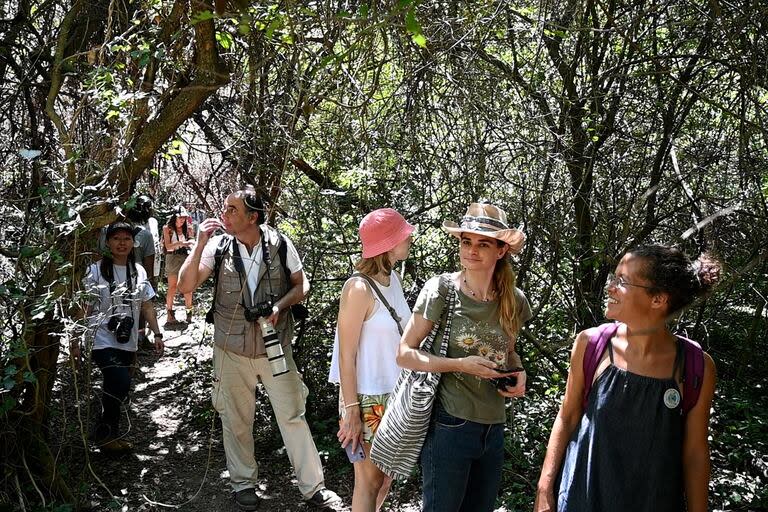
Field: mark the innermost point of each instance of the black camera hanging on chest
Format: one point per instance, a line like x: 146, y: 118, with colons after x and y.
x: 120, y: 325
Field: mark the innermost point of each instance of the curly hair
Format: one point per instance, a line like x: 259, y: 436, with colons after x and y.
x: 670, y: 271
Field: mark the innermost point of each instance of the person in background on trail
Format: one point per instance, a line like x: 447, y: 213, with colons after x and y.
x: 141, y: 215
x: 178, y: 237
x: 367, y: 336
x: 463, y: 453
x: 629, y: 443
x: 252, y: 304
x: 119, y: 290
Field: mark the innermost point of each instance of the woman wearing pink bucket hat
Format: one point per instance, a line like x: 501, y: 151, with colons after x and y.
x: 463, y: 453
x: 372, y: 314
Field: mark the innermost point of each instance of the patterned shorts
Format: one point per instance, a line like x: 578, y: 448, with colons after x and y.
x: 372, y: 408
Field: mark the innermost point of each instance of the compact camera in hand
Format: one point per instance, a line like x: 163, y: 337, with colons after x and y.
x: 506, y: 382
x: 122, y: 327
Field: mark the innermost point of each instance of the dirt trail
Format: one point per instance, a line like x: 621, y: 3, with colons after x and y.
x: 178, y: 461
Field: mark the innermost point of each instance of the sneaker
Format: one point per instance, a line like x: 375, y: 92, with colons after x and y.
x: 324, y: 499
x: 247, y: 499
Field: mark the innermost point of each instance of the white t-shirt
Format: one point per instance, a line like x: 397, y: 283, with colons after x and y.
x: 251, y: 261
x: 121, y: 303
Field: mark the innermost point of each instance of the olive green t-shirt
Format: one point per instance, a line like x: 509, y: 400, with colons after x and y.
x: 475, y: 330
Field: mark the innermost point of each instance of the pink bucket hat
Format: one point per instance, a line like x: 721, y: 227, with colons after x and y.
x: 381, y: 230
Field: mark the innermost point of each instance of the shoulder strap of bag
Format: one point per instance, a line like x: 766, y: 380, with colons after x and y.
x: 693, y: 373
x: 592, y: 354
x: 447, y: 313
x: 222, y: 248
x: 384, y: 302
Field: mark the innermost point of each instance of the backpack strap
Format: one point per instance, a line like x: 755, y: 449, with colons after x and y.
x: 218, y: 257
x: 593, y: 353
x: 693, y: 373
x: 282, y: 252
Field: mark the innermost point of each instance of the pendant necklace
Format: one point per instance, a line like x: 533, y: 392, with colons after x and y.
x: 475, y: 295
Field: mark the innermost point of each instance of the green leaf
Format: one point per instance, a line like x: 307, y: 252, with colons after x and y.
x: 363, y: 10
x: 202, y: 16
x: 8, y: 404
x: 420, y: 40
x: 411, y: 25
x: 224, y: 39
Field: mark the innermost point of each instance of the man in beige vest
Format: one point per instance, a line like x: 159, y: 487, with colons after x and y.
x: 251, y: 306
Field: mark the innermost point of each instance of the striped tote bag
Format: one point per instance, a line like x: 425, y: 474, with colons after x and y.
x: 400, y: 436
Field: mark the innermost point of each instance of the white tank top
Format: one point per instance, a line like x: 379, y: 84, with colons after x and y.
x: 377, y: 370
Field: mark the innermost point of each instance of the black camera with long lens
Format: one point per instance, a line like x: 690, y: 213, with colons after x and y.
x: 261, y: 309
x: 121, y: 326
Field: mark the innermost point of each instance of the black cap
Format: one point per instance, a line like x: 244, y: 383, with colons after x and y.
x: 119, y: 226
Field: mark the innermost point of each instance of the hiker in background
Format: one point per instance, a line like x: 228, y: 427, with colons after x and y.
x: 178, y: 237
x: 633, y: 436
x: 118, y: 290
x: 141, y: 215
x: 372, y: 315
x: 463, y: 453
x: 252, y: 318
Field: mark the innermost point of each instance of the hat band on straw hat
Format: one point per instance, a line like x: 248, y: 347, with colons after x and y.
x: 482, y: 223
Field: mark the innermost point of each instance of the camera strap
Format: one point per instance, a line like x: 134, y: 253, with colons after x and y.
x: 237, y: 260
x: 109, y: 277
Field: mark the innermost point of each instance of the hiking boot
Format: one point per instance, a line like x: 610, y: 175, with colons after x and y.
x: 324, y: 499
x: 247, y: 499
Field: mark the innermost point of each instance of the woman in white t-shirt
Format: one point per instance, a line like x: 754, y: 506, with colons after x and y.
x: 119, y: 291
x: 367, y: 337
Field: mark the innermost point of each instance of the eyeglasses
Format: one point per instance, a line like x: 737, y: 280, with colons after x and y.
x: 620, y: 282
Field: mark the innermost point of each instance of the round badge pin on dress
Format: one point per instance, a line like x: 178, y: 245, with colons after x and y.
x: 671, y: 398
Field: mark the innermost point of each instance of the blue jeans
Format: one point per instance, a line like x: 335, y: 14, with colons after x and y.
x: 115, y: 365
x: 461, y: 464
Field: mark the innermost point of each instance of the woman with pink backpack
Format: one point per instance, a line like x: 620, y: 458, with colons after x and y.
x: 631, y: 433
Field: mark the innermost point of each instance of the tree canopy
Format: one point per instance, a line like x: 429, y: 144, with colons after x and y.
x: 597, y: 126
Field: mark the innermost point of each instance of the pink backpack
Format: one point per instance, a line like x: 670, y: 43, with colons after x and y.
x: 693, y: 370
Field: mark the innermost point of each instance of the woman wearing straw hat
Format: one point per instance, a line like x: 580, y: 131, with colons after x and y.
x: 462, y: 456
x: 372, y: 315
x: 178, y: 237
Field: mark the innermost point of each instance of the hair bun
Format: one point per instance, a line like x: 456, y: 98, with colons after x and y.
x: 708, y: 270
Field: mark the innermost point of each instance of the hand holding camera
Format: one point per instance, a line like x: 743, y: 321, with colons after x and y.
x: 508, y: 381
x: 260, y: 313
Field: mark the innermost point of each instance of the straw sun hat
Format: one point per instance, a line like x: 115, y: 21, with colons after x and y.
x: 487, y: 220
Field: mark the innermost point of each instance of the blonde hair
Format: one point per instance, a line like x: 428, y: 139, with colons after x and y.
x: 504, y: 280
x: 378, y: 264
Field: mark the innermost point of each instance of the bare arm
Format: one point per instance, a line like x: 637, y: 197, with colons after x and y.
x: 148, y: 309
x: 356, y: 304
x: 192, y: 274
x: 149, y: 265
x: 696, y: 460
x: 409, y: 355
x: 565, y: 423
